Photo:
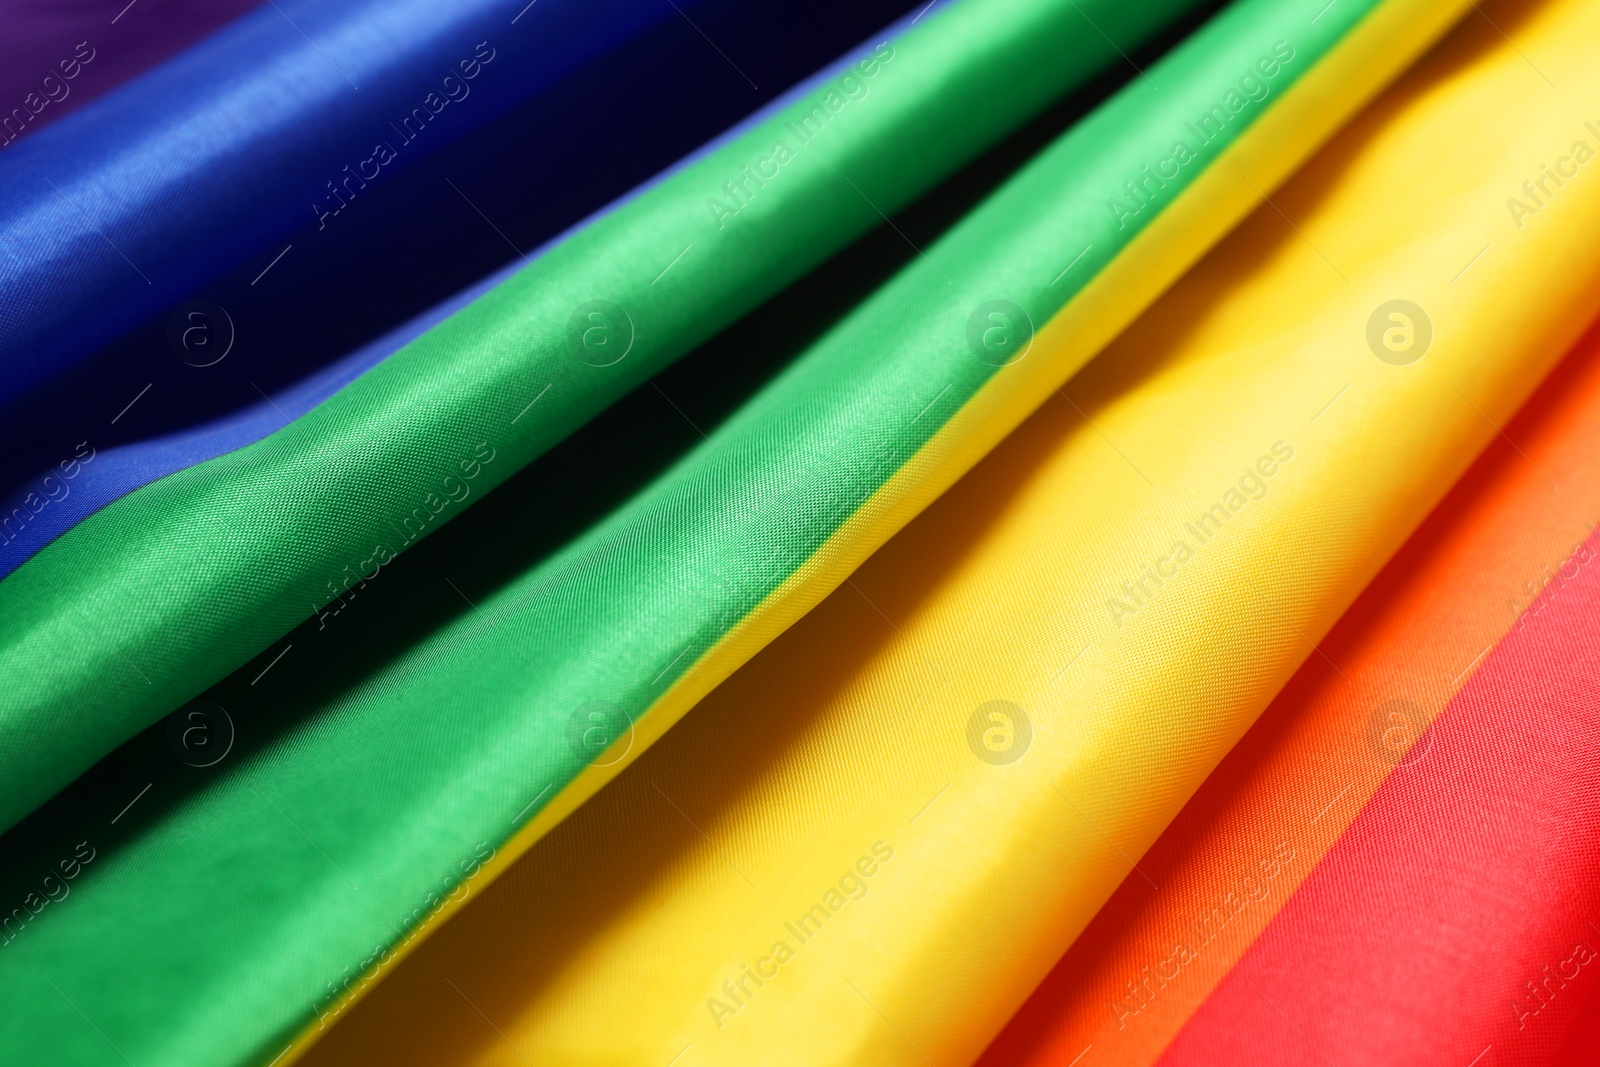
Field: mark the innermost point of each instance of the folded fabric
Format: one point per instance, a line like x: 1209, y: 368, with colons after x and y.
x: 857, y: 848
x: 277, y: 121
x: 269, y: 346
x: 193, y: 574
x: 1502, y: 547
x: 55, y: 58
x: 1492, y: 907
x: 371, y: 792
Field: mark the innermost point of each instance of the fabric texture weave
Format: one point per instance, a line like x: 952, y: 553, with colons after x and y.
x: 837, y: 769
x: 282, y: 528
x: 369, y: 797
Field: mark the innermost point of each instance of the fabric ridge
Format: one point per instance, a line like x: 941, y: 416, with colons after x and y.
x: 53, y: 61
x: 1503, y: 780
x: 1346, y: 722
x: 420, y: 772
x: 729, y: 871
x: 213, y: 405
x: 124, y: 193
x: 467, y: 388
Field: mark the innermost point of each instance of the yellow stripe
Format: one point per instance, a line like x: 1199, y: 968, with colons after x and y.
x: 1367, y: 59
x: 605, y: 944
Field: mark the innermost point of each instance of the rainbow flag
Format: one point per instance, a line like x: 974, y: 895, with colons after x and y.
x: 1033, y: 545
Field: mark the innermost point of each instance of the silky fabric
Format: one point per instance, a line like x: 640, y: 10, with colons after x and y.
x: 42, y: 43
x: 1502, y: 890
x: 1285, y: 795
x: 279, y: 120
x: 1500, y: 894
x: 405, y: 446
x: 1497, y: 550
x: 274, y: 345
x: 371, y: 787
x: 869, y: 844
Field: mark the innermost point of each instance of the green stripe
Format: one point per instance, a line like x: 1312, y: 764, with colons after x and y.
x: 166, y: 591
x: 298, y: 861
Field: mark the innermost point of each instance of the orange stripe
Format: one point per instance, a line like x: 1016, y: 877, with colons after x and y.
x: 1283, y: 796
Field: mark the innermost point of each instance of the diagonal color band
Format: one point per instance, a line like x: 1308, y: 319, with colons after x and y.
x: 1282, y: 798
x: 373, y: 795
x: 162, y: 593
x: 830, y: 797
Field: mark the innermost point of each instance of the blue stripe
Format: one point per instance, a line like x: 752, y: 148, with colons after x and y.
x: 59, y: 503
x: 124, y: 208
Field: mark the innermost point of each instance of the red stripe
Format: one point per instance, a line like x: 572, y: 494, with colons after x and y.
x: 1469, y: 881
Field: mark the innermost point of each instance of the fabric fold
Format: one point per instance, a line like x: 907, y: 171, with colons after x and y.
x: 372, y: 793
x: 54, y: 60
x: 281, y: 119
x: 1502, y: 891
x: 869, y: 844
x: 1500, y: 549
x: 273, y: 340
x: 163, y: 592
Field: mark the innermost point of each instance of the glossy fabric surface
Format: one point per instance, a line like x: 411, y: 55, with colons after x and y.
x: 853, y: 729
x: 272, y: 351
x: 369, y: 841
x: 281, y: 119
x: 286, y: 526
x: 1502, y: 889
x: 1501, y: 546
x: 1500, y: 892
x: 45, y: 42
x: 1287, y: 793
